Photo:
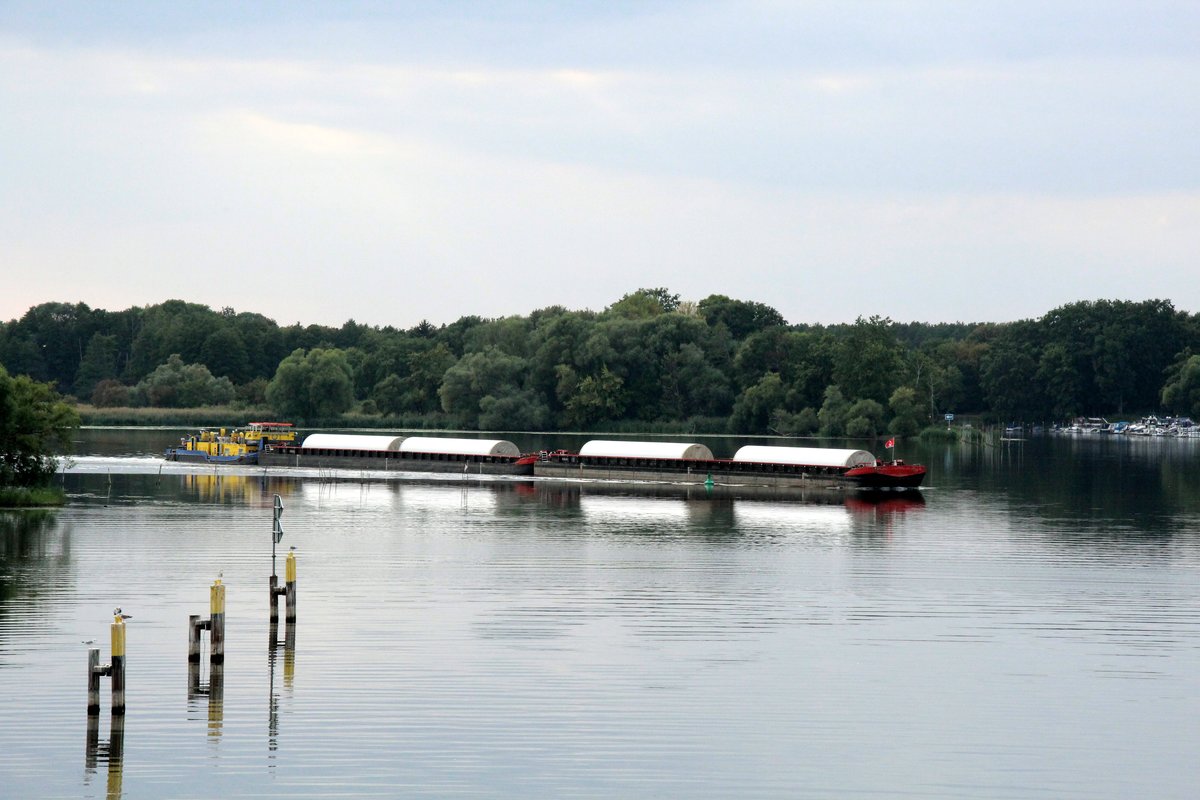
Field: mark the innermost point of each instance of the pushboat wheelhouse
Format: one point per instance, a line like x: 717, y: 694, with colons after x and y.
x: 237, y: 446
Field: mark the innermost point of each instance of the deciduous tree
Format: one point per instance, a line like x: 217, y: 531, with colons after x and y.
x: 35, y: 426
x: 1181, y: 394
x: 313, y: 385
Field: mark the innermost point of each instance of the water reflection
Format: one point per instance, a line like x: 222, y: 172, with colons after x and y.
x: 252, y: 490
x: 110, y: 752
x: 35, y: 561
x: 212, y: 691
x: 288, y: 645
x: 527, y: 639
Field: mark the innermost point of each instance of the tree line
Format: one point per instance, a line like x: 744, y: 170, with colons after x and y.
x: 717, y: 365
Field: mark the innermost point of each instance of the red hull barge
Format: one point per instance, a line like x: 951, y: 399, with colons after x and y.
x: 690, y: 463
x: 888, y: 475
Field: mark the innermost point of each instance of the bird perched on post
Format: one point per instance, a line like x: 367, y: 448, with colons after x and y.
x: 117, y: 613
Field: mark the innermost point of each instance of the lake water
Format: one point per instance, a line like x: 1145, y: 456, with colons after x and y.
x: 1029, y: 629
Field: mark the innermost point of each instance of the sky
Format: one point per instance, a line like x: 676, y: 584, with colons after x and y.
x: 397, y: 162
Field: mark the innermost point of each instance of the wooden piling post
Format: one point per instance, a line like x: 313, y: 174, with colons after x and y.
x: 93, y: 701
x: 290, y: 585
x: 216, y: 603
x: 274, y: 595
x: 194, y: 639
x: 118, y: 665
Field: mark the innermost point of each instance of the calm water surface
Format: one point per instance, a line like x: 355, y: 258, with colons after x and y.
x: 1030, y: 628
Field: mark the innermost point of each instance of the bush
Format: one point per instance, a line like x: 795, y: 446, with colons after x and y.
x: 25, y: 497
x: 177, y: 385
x: 936, y: 433
x: 252, y: 393
x: 111, y: 393
x: 35, y: 426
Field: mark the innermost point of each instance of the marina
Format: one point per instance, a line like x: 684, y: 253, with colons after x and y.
x: 1170, y: 427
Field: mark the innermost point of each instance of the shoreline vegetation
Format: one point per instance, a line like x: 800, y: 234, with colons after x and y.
x: 648, y: 362
x: 21, y: 497
x: 233, y: 417
x: 36, y: 424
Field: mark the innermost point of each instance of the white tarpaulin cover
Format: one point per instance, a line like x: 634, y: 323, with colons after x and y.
x: 352, y: 441
x: 472, y: 447
x: 615, y: 449
x: 808, y: 456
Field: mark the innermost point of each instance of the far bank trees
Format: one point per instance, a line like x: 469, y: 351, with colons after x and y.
x: 648, y: 360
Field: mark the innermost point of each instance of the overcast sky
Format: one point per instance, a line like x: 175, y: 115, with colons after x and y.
x: 393, y: 162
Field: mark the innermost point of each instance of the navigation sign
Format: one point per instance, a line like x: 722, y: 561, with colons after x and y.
x: 277, y: 529
x: 276, y: 535
x: 949, y: 418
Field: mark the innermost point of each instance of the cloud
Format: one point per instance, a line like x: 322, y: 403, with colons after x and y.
x: 541, y: 166
x: 256, y: 131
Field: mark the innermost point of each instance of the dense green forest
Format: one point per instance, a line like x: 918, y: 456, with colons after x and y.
x: 716, y: 365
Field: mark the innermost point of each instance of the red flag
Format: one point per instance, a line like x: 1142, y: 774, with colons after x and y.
x: 890, y: 444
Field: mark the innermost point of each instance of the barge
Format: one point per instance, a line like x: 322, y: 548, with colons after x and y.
x: 752, y: 465
x: 402, y: 454
x: 237, y: 446
x: 273, y: 444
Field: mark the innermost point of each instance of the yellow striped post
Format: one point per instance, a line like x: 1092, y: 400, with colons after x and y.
x: 289, y: 571
x: 118, y: 665
x: 216, y: 606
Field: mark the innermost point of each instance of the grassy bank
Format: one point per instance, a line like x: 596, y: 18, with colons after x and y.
x: 233, y: 416
x: 205, y: 416
x: 237, y: 416
x: 939, y: 433
x: 22, y: 497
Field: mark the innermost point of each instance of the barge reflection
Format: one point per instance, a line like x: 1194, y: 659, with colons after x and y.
x: 571, y: 495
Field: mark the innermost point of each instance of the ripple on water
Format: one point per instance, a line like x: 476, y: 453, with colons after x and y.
x: 477, y: 641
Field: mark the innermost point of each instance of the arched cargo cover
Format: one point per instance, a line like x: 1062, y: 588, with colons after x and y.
x: 617, y: 449
x: 807, y: 456
x: 351, y: 441
x: 465, y: 447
